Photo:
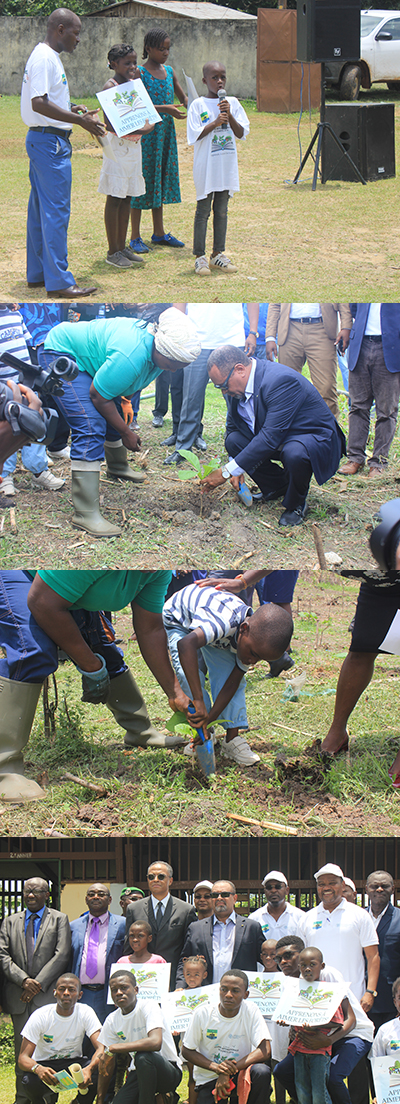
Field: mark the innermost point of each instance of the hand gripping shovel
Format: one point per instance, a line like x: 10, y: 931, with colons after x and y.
x: 204, y: 751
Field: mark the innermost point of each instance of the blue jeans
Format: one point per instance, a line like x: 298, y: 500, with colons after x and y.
x: 346, y: 1054
x: 31, y: 655
x: 89, y: 430
x: 219, y: 663
x: 311, y: 1072
x: 49, y: 209
x: 33, y: 457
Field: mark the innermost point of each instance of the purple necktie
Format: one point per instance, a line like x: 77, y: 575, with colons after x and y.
x: 93, y: 948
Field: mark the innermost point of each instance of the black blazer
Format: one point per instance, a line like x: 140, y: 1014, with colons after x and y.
x: 169, y: 939
x: 287, y: 407
x: 388, y: 932
x: 249, y: 938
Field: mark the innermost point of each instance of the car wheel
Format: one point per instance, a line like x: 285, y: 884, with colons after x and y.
x: 351, y: 82
x: 394, y: 86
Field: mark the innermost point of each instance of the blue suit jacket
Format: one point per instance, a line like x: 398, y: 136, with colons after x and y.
x: 115, y: 941
x: 388, y: 932
x: 390, y: 322
x: 287, y: 407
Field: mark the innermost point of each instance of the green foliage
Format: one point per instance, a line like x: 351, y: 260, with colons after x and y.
x: 6, y: 1043
x: 201, y: 470
x: 43, y: 8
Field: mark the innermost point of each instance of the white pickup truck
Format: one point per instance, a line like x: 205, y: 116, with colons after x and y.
x: 379, y: 59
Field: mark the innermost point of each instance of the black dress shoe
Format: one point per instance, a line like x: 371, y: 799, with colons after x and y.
x: 36, y: 283
x: 293, y: 517
x: 174, y: 458
x: 271, y: 495
x: 284, y: 663
x: 169, y: 441
x: 200, y: 443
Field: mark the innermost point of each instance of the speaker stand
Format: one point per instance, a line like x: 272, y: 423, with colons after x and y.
x: 318, y: 137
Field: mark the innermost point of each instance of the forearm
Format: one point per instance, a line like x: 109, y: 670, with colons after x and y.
x: 235, y: 126
x: 43, y: 106
x: 225, y: 694
x: 10, y: 442
x: 260, y: 1054
x: 201, y: 1060
x: 188, y: 649
x: 153, y: 646
x: 62, y: 629
x: 108, y: 410
x: 373, y: 968
x: 253, y: 311
x: 212, y: 125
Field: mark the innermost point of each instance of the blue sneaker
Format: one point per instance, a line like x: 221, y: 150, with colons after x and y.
x: 139, y: 246
x: 167, y: 239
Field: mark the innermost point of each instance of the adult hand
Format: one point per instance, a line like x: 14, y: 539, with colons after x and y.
x: 235, y: 481
x: 200, y: 714
x: 271, y: 350
x: 87, y: 1075
x: 95, y: 684
x: 312, y: 1039
x: 30, y: 989
x: 20, y: 390
x: 222, y: 1087
x: 92, y: 124
x: 344, y: 337
x: 131, y: 440
x: 229, y: 1065
x: 233, y: 585
x: 214, y: 479
x: 366, y: 1002
x: 47, y: 1075
x: 179, y: 703
x: 250, y: 345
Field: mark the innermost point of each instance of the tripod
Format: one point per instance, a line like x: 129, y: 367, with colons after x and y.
x: 319, y: 134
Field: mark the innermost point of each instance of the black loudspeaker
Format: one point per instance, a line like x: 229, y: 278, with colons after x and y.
x: 367, y: 133
x: 328, y: 30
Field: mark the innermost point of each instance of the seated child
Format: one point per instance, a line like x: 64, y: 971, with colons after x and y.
x: 212, y: 125
x: 139, y: 939
x: 230, y: 637
x: 225, y: 1039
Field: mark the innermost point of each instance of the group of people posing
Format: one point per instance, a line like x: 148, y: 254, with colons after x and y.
x: 140, y: 169
x: 281, y: 429
x: 75, y: 1004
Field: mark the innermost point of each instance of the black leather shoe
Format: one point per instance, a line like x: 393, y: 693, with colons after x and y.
x: 200, y: 443
x: 174, y: 458
x: 293, y: 517
x: 271, y: 495
x: 169, y: 441
x: 284, y: 663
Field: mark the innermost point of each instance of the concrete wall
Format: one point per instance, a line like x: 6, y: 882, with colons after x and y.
x: 193, y: 42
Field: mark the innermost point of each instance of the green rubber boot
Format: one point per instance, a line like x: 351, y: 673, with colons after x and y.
x: 18, y: 701
x: 117, y: 463
x: 85, y: 490
x: 126, y: 703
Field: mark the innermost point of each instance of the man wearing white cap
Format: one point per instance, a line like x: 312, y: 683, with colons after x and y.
x: 344, y: 933
x: 202, y: 899
x: 277, y: 917
x: 349, y: 891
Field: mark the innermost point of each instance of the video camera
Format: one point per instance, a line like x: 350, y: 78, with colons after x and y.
x: 384, y: 540
x: 46, y: 375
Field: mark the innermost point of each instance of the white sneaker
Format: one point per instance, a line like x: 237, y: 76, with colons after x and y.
x: 7, y: 486
x: 47, y: 480
x: 223, y: 263
x: 239, y: 750
x: 62, y: 454
x: 201, y: 266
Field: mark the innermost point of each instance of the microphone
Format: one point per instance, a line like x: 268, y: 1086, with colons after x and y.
x: 222, y: 96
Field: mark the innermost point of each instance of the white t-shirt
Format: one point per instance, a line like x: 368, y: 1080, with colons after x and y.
x: 145, y: 1016
x: 44, y: 75
x: 219, y: 1037
x: 286, y: 924
x: 215, y: 163
x: 217, y: 323
x: 58, y: 1036
x: 341, y: 936
x: 387, y: 1039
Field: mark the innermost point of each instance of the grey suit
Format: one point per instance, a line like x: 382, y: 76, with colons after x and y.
x: 50, y: 959
x: 168, y: 940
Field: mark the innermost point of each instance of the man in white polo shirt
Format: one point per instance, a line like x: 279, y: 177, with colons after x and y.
x: 47, y: 111
x: 277, y: 917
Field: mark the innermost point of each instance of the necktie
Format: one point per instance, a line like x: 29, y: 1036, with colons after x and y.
x: 30, y: 941
x: 159, y: 915
x: 93, y: 948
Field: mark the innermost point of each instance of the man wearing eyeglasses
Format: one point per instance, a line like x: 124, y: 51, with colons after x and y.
x: 168, y: 916
x: 225, y: 939
x: 97, y: 942
x: 279, y: 430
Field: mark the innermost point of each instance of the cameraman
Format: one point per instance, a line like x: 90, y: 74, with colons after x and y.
x: 10, y: 441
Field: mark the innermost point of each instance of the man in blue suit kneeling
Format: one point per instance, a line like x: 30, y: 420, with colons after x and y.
x: 279, y: 430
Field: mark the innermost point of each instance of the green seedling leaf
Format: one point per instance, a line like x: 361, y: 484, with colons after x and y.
x: 186, y: 474
x: 177, y: 718
x: 191, y: 459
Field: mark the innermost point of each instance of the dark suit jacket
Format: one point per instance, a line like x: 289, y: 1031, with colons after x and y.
x: 287, y: 407
x: 115, y: 941
x: 388, y: 932
x: 249, y: 938
x: 169, y: 939
x: 50, y: 958
x: 390, y: 322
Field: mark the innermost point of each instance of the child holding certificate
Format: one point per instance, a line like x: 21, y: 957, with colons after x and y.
x: 121, y: 176
x: 312, y: 1055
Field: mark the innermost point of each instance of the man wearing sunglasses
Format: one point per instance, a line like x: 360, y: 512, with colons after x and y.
x: 226, y: 940
x: 168, y: 916
x: 279, y: 430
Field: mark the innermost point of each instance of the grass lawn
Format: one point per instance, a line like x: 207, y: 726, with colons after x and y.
x: 289, y: 243
x: 162, y: 793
